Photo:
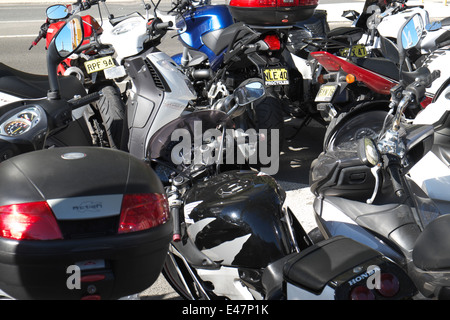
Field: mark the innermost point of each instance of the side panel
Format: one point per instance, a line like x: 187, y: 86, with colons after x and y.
x: 159, y: 94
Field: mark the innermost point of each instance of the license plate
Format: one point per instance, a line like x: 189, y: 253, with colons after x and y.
x: 325, y: 93
x: 276, y: 76
x: 99, y: 64
x: 358, y: 50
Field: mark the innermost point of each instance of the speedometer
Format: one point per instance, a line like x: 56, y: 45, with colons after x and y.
x: 17, y: 127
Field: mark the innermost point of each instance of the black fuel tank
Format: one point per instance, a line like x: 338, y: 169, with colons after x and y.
x: 235, y: 217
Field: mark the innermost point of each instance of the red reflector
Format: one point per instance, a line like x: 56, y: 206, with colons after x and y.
x: 29, y: 221
x: 273, y: 42
x: 361, y: 293
x: 389, y: 285
x: 143, y: 211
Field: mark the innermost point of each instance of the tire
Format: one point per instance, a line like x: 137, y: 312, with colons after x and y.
x: 269, y: 114
x: 113, y: 114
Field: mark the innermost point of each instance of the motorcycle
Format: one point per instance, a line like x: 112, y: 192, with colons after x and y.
x: 70, y: 229
x: 363, y: 189
x: 353, y: 85
x: 234, y: 238
x: 218, y: 54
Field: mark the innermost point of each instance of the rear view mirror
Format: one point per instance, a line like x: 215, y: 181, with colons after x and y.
x: 69, y: 38
x: 249, y: 93
x: 57, y: 12
x: 411, y: 32
x: 66, y: 41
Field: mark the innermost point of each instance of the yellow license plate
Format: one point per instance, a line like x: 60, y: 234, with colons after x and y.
x: 325, y: 93
x: 358, y: 50
x: 99, y: 64
x: 276, y: 76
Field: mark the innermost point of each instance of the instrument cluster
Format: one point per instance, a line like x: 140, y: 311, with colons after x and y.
x: 20, y: 122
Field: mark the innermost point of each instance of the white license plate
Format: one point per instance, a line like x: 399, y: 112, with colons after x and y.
x: 99, y: 64
x: 326, y: 93
x: 276, y: 76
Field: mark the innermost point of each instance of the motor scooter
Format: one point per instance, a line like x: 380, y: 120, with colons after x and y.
x: 364, y: 191
x: 81, y: 222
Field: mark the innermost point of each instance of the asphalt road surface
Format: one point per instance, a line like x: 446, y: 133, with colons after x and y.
x: 19, y: 25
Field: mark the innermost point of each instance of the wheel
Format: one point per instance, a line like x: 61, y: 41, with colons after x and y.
x: 113, y: 114
x: 270, y: 116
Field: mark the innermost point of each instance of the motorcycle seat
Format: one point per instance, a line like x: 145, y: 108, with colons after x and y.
x: 315, y: 266
x: 347, y: 35
x: 388, y: 219
x: 382, y: 66
x: 31, y: 86
x: 432, y: 249
x: 218, y: 40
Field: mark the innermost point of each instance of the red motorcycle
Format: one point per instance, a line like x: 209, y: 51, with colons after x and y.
x: 75, y: 64
x: 87, y: 64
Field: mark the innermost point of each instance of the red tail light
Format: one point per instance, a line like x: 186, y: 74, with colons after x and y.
x: 389, y: 285
x: 143, y: 211
x: 273, y: 42
x: 361, y: 293
x: 273, y: 3
x: 29, y: 221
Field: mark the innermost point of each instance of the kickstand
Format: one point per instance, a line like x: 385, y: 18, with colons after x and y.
x: 305, y: 122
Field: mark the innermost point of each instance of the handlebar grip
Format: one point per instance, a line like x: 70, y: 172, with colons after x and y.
x: 393, y: 170
x: 434, y: 75
x: 79, y: 102
x: 175, y: 213
x: 162, y: 25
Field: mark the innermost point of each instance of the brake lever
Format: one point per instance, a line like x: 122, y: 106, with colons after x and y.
x: 375, y: 172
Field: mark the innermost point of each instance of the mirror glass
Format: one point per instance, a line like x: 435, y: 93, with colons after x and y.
x: 57, y: 12
x: 249, y: 93
x: 69, y: 38
x: 412, y: 32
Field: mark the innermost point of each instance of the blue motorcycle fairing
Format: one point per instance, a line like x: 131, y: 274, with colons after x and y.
x: 195, y: 24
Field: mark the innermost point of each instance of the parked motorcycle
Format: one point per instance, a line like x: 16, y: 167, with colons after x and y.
x: 355, y: 85
x: 363, y: 189
x: 234, y: 238
x: 219, y: 54
x: 69, y: 228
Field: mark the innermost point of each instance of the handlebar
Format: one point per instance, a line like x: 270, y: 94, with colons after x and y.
x: 393, y: 168
x: 175, y: 213
x: 162, y: 25
x: 81, y: 101
x: 42, y: 33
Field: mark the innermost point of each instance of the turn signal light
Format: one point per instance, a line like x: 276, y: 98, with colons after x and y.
x: 350, y: 78
x: 29, y: 221
x: 143, y: 211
